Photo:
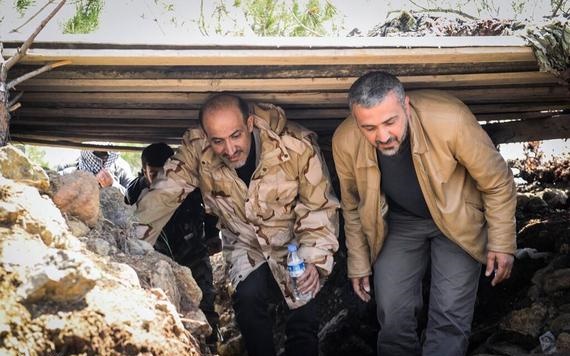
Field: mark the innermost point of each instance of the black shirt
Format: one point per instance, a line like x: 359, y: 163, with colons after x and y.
x: 400, y: 183
x: 246, y: 171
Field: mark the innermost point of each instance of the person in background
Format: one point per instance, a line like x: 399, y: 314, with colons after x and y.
x: 107, y: 166
x: 266, y: 181
x: 421, y: 182
x: 189, y: 236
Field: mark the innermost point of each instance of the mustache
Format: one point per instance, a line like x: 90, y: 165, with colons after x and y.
x: 389, y: 140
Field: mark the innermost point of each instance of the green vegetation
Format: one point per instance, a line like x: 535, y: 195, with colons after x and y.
x: 23, y: 5
x: 86, y: 18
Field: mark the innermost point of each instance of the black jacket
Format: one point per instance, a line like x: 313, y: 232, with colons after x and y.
x: 183, y: 237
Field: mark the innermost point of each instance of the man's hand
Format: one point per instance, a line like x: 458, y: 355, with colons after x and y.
x: 309, y: 280
x: 361, y: 287
x: 501, y: 264
x: 104, y: 178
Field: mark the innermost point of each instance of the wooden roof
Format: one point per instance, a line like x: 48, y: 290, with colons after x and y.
x: 147, y: 93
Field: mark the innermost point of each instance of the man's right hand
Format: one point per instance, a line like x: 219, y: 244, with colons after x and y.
x: 361, y: 286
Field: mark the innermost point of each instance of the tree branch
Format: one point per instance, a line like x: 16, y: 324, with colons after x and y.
x: 32, y: 17
x: 15, y: 99
x: 14, y: 107
x: 445, y: 11
x: 555, y: 12
x: 305, y: 27
x: 32, y: 74
x: 26, y: 45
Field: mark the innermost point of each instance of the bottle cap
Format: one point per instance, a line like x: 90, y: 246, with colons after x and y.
x: 291, y: 247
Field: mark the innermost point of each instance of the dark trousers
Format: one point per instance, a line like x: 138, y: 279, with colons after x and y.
x: 251, y: 304
x: 398, y: 274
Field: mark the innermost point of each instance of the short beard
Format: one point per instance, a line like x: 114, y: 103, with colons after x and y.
x: 395, y: 150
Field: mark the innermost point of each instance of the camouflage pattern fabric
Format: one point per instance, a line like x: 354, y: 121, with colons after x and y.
x: 289, y: 199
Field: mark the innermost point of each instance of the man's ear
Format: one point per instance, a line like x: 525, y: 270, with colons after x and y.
x: 407, y: 106
x: 249, y: 123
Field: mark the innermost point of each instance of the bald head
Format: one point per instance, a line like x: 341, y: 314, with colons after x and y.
x: 223, y: 101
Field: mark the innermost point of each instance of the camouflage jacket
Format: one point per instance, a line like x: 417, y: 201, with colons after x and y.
x: 289, y: 199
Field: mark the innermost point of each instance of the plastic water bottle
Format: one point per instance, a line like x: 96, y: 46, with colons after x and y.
x: 296, y: 267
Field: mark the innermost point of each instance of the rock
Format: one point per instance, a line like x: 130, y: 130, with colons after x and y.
x: 114, y: 209
x: 527, y: 321
x: 561, y: 324
x: 99, y: 246
x: 557, y: 280
x: 162, y: 277
x: 58, y: 275
x: 232, y: 347
x: 185, y: 281
x: 16, y: 166
x: 555, y: 198
x: 536, y: 204
x: 77, y: 227
x: 522, y: 200
x: 126, y: 274
x: 138, y: 247
x: 77, y: 194
x: 23, y: 208
x: 563, y: 343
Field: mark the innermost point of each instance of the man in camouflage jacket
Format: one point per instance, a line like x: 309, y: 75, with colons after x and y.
x: 266, y: 181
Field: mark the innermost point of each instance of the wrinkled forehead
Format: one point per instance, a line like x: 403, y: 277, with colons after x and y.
x: 223, y: 122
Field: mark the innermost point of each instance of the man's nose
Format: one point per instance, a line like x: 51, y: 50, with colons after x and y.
x: 230, y: 148
x: 382, y: 136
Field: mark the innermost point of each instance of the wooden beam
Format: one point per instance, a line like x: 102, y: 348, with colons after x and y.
x: 271, y: 72
x: 283, y: 84
x: 530, y: 130
x: 252, y: 56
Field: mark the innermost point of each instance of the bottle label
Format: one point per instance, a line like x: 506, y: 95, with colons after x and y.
x: 296, y: 270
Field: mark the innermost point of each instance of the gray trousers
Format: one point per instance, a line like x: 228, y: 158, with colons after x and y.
x: 398, y: 275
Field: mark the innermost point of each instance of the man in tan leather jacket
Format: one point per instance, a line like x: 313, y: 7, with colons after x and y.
x: 266, y: 181
x: 421, y: 182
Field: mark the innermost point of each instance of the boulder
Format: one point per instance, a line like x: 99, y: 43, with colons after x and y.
x: 77, y: 194
x: 16, y: 166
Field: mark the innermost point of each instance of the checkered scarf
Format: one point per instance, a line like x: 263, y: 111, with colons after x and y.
x: 91, y: 163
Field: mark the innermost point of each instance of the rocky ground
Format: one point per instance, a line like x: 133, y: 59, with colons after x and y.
x: 74, y: 281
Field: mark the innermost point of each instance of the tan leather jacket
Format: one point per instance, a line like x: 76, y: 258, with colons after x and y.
x: 467, y: 185
x: 288, y: 199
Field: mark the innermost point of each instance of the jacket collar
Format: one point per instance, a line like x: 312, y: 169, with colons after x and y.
x: 416, y: 131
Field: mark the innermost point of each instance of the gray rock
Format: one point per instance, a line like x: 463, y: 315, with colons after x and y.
x: 138, y: 247
x: 163, y: 277
x: 557, y: 280
x: 114, y: 209
x: 527, y: 321
x: 555, y: 198
x: 99, y: 246
x: 522, y: 200
x: 561, y: 324
x: 536, y: 204
x: 77, y: 227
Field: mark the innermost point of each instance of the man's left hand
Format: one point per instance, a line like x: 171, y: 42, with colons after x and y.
x: 309, y: 280
x: 104, y: 178
x: 501, y: 264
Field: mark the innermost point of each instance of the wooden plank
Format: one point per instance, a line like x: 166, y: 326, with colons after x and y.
x: 530, y: 130
x: 282, y: 84
x: 261, y: 72
x: 154, y: 117
x: 250, y: 57
x: 546, y: 97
